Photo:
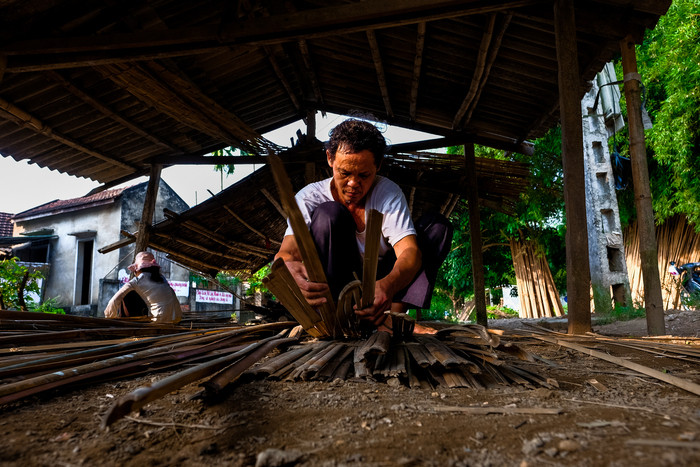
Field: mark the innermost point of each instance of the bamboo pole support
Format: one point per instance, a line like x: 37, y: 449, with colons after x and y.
x: 642, y: 193
x: 577, y: 266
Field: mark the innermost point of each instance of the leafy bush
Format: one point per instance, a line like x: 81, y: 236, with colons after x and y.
x: 16, y: 283
x: 48, y: 306
x: 501, y: 312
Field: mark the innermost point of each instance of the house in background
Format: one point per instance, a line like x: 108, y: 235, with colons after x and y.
x: 66, y: 234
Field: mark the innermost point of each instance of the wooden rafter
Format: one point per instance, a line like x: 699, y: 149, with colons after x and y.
x: 26, y: 120
x: 154, y: 85
x: 195, y: 227
x: 478, y: 70
x: 270, y: 51
x: 200, y: 247
x: 273, y: 201
x: 417, y: 65
x: 493, y: 53
x: 379, y: 68
x: 243, y: 222
x: 310, y: 73
x: 47, y: 53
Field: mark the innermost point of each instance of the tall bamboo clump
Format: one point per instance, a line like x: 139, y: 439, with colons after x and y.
x: 676, y: 241
x: 538, y: 295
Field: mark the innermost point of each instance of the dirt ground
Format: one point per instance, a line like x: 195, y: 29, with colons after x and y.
x: 609, y: 416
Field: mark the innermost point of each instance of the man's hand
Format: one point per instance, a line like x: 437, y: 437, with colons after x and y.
x: 314, y: 292
x: 382, y: 302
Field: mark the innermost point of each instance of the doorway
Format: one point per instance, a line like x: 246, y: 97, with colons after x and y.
x: 83, y: 272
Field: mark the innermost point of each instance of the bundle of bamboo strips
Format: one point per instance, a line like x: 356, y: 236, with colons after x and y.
x: 462, y: 356
x: 538, y: 295
x: 676, y: 241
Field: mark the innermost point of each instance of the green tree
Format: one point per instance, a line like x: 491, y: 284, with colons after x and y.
x: 16, y: 283
x: 539, y: 215
x: 669, y: 63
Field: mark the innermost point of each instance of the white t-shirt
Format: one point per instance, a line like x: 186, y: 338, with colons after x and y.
x: 386, y: 197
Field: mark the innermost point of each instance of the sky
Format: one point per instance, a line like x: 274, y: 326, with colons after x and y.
x: 24, y: 186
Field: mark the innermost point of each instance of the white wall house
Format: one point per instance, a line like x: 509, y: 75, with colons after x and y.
x: 69, y: 232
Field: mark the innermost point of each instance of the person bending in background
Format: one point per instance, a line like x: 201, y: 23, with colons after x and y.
x: 153, y: 289
x: 335, y: 211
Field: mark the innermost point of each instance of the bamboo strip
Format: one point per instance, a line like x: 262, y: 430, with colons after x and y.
x: 674, y: 380
x: 281, y: 283
x: 373, y: 233
x: 327, y: 372
x: 282, y: 360
x: 229, y: 374
x: 306, y: 245
x: 145, y: 394
x: 322, y: 361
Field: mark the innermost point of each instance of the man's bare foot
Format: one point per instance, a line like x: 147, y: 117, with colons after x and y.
x: 420, y: 329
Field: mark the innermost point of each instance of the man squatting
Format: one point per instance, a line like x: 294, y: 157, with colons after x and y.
x: 335, y: 212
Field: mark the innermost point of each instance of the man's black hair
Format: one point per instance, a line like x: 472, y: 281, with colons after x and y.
x: 355, y: 136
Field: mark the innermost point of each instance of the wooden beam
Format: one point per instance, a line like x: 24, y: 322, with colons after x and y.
x: 195, y: 227
x: 417, y: 65
x: 475, y: 235
x: 273, y: 201
x: 493, y: 53
x: 149, y: 207
x: 69, y: 52
x: 240, y: 219
x: 653, y: 301
x: 270, y: 51
x: 578, y: 275
x: 310, y: 73
x: 481, y: 56
x: 30, y: 122
x: 379, y: 69
x: 524, y: 147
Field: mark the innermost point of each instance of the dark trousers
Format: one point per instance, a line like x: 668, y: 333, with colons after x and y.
x: 333, y: 230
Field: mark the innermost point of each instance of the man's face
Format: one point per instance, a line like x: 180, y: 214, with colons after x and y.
x: 353, y: 175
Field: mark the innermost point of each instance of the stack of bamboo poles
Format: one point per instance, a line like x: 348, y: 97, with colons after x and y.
x: 538, y: 295
x: 676, y: 241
